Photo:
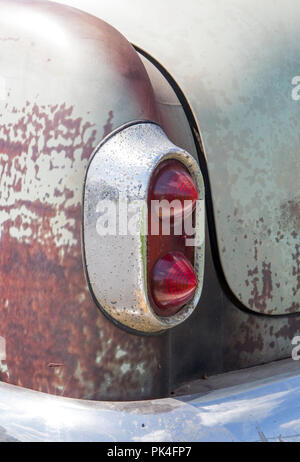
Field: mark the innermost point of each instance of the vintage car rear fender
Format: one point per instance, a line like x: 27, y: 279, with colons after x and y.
x: 238, y: 65
x: 65, y: 84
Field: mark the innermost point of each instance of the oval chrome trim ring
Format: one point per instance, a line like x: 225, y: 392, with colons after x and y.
x: 116, y: 265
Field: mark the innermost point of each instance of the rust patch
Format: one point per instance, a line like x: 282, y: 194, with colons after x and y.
x: 47, y: 315
x: 290, y: 215
x: 260, y: 297
x: 296, y: 268
x: 108, y: 126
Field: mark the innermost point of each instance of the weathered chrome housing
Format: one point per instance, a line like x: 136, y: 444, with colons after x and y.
x: 116, y: 265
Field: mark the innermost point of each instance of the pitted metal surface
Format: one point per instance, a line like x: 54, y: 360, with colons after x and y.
x: 116, y: 262
x: 237, y: 65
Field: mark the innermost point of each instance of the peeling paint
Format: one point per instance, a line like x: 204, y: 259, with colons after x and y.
x: 54, y: 115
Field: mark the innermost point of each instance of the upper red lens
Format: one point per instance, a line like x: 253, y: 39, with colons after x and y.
x: 173, y: 282
x: 173, y: 182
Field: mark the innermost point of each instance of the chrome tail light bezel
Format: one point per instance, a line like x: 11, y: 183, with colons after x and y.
x: 116, y: 265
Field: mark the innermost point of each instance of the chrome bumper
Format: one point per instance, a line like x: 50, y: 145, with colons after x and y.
x: 266, y: 408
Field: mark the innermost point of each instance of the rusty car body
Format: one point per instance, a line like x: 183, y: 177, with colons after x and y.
x: 217, y: 78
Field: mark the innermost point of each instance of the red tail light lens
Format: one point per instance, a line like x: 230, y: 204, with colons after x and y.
x: 172, y: 182
x: 172, y: 280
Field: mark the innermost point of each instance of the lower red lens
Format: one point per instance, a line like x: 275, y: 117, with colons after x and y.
x: 173, y: 282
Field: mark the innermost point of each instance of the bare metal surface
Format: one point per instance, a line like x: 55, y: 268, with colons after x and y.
x: 116, y: 264
x: 262, y: 410
x: 236, y: 63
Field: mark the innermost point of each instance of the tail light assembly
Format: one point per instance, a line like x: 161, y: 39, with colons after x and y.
x: 172, y: 199
x: 143, y: 229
